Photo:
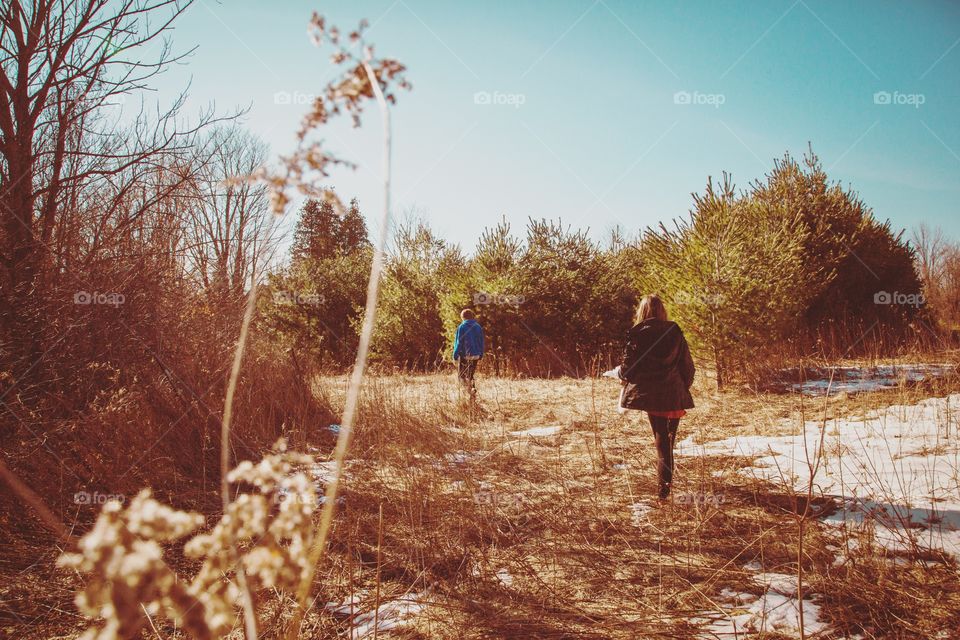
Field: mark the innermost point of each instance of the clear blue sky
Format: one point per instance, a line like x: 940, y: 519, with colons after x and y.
x: 600, y: 138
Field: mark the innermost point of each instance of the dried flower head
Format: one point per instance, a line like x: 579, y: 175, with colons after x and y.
x: 310, y: 162
x: 270, y: 521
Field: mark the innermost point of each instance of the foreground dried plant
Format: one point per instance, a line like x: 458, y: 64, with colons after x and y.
x: 128, y: 582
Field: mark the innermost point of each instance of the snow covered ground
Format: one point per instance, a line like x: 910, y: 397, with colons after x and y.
x: 391, y: 614
x: 859, y: 379
x: 776, y: 610
x: 895, y: 470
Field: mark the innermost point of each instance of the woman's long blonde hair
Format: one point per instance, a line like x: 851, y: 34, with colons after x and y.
x: 651, y: 306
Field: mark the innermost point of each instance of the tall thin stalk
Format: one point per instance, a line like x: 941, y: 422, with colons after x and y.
x: 376, y: 604
x: 359, y: 367
x: 246, y: 600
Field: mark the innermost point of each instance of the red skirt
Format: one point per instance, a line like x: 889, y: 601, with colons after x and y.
x: 678, y: 413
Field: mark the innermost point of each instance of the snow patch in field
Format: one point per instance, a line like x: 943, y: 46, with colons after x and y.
x: 860, y: 379
x: 613, y: 373
x: 324, y: 472
x: 349, y: 605
x: 639, y: 512
x: 389, y: 615
x: 894, y: 470
x: 537, y: 432
x: 777, y: 610
x: 782, y: 583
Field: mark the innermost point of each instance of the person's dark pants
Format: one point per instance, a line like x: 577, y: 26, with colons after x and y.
x: 466, y: 369
x: 664, y: 435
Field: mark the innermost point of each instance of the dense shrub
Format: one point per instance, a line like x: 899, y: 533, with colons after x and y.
x: 731, y: 275
x: 311, y: 306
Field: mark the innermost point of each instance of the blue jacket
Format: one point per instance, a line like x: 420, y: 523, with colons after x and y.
x: 469, y: 340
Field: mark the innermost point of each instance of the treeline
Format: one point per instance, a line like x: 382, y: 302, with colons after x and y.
x: 551, y: 303
x: 938, y: 263
x: 792, y: 266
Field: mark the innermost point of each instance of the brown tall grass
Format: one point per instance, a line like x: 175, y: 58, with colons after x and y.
x: 514, y: 536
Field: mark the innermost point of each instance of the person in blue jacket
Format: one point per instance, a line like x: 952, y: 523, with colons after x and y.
x: 468, y: 349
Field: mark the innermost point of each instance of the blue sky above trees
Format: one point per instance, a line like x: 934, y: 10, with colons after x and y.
x: 609, y: 112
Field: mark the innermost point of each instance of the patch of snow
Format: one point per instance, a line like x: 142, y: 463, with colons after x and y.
x: 537, y: 432
x: 860, y: 379
x: 894, y: 470
x: 324, y: 470
x: 639, y: 512
x: 391, y: 614
x: 777, y: 612
x: 772, y: 612
x: 504, y: 577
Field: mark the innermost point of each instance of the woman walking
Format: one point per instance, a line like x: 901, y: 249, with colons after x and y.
x: 656, y: 373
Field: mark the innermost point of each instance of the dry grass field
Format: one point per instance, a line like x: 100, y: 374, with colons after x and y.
x: 532, y: 516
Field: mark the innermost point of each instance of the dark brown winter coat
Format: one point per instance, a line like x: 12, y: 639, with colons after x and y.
x: 657, y: 367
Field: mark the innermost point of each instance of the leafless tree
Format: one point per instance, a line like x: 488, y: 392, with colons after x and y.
x: 931, y: 253
x: 230, y: 233
x: 79, y: 171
